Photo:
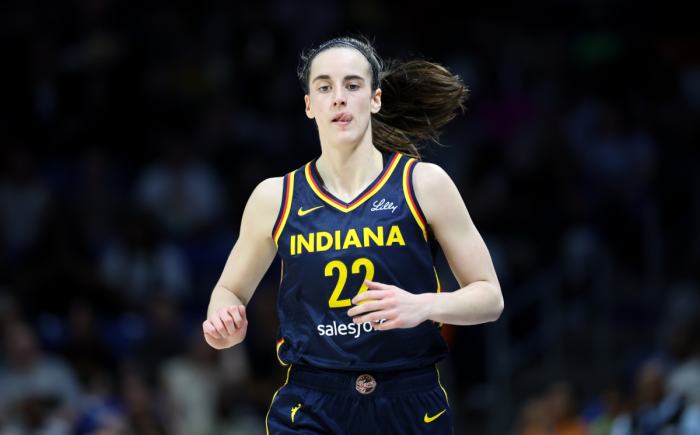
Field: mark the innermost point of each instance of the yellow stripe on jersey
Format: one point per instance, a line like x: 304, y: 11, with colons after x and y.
x: 439, y: 289
x: 287, y: 206
x: 410, y: 200
x: 267, y: 429
x: 359, y: 201
x: 437, y: 278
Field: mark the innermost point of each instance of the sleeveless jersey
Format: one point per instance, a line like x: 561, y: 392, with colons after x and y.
x: 328, y: 247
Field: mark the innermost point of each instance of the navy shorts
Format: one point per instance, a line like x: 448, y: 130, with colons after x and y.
x: 316, y: 401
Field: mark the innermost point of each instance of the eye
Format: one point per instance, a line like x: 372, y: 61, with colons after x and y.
x: 353, y: 86
x: 324, y: 88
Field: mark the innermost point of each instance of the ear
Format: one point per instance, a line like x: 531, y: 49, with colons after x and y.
x: 307, y: 107
x: 375, y: 103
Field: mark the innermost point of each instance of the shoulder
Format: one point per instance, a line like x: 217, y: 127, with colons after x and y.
x: 435, y: 191
x: 268, y: 193
x: 262, y: 207
x: 269, y: 187
x: 429, y: 178
x: 265, y: 201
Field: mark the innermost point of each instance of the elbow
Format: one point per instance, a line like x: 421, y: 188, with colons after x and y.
x: 498, y: 307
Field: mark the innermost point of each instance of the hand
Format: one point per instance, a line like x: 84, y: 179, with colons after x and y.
x: 400, y: 308
x: 226, y: 327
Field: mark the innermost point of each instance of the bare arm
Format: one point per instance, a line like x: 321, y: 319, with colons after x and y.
x: 247, y: 263
x: 479, y: 299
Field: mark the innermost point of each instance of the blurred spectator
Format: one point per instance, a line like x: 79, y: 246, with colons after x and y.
x: 99, y: 194
x: 143, y: 414
x: 140, y: 264
x: 562, y: 406
x: 85, y: 347
x: 534, y: 418
x: 39, y: 392
x: 24, y: 200
x: 183, y: 193
x: 164, y: 338
x: 101, y: 411
x: 684, y: 378
x: 191, y: 383
x: 618, y: 155
x: 10, y: 314
x: 553, y: 413
x: 602, y: 413
x: 655, y: 412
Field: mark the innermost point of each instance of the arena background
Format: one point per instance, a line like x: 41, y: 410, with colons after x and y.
x: 132, y: 134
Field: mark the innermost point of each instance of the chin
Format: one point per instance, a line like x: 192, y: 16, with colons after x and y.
x: 348, y: 140
x: 351, y: 136
x: 342, y: 137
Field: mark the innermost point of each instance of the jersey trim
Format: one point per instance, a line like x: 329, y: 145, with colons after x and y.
x: 359, y: 201
x: 439, y: 290
x: 437, y: 279
x: 288, y: 190
x: 410, y: 197
x: 267, y: 416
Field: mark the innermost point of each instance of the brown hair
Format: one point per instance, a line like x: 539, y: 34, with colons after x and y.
x: 418, y: 97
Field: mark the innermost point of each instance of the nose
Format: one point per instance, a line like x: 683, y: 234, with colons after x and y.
x: 339, y: 98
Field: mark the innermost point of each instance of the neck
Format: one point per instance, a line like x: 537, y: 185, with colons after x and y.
x: 347, y: 171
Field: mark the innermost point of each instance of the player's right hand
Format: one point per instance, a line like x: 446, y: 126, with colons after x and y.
x: 226, y: 327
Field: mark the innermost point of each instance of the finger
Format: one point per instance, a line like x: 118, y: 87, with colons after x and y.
x: 370, y: 305
x: 227, y: 320
x: 377, y: 285
x: 244, y: 315
x: 219, y: 326
x: 372, y: 317
x: 210, y: 330
x: 367, y: 295
x: 236, y: 315
x: 385, y: 326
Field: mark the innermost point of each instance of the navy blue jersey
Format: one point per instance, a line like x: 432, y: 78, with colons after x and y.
x: 329, y: 247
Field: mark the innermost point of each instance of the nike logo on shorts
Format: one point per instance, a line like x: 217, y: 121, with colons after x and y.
x: 430, y: 419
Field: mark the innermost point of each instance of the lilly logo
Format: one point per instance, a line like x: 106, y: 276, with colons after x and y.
x: 383, y: 204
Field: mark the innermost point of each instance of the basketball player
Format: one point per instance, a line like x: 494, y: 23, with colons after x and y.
x: 360, y: 304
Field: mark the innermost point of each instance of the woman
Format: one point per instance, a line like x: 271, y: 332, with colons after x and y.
x: 360, y: 305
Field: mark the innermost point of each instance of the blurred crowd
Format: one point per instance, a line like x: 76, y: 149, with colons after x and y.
x: 661, y: 396
x: 131, y: 140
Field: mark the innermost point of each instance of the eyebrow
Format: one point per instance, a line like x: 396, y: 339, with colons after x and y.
x: 345, y: 79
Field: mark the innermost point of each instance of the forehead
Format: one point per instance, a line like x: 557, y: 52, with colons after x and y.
x: 340, y: 61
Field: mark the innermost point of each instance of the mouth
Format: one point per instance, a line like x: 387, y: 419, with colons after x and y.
x: 342, y: 119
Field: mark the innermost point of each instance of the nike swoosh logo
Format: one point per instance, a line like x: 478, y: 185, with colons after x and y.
x: 430, y: 419
x: 304, y: 212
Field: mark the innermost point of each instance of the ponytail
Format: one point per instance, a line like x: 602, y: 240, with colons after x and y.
x: 418, y: 99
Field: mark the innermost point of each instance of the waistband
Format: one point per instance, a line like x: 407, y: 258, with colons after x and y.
x: 365, y: 382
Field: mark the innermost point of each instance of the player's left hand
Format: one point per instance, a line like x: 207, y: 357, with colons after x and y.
x: 400, y: 308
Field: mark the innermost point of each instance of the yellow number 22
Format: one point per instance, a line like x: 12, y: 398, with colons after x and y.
x: 334, y: 301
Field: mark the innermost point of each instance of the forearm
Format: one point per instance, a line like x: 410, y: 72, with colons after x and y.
x: 479, y: 302
x: 222, y: 297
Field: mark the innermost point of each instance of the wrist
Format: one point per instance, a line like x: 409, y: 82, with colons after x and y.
x: 429, y: 301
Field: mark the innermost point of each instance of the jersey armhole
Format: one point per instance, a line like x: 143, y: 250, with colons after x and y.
x: 419, y: 216
x: 411, y: 199
x: 285, y: 207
